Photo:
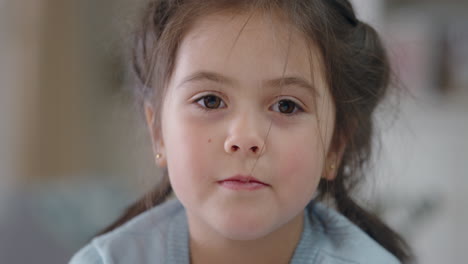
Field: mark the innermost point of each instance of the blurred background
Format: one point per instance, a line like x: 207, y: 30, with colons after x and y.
x: 74, y: 150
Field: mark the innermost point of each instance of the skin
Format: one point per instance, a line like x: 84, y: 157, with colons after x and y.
x: 247, y: 133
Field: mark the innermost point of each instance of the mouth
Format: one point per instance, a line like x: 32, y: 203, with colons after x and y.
x: 242, y: 182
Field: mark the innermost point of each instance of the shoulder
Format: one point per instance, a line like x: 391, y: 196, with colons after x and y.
x: 344, y: 242
x: 87, y: 255
x: 141, y: 240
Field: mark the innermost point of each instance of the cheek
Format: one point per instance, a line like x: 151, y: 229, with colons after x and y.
x: 300, y: 164
x: 188, y: 150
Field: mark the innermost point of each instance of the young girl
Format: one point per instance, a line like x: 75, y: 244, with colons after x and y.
x: 260, y: 113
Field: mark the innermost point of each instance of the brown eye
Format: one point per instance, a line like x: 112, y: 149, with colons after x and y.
x: 287, y: 107
x: 211, y: 102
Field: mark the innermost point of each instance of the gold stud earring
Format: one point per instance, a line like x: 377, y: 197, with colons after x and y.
x: 158, y: 156
x: 332, y: 167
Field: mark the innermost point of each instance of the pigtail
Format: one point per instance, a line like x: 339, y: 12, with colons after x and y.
x: 370, y: 223
x: 156, y: 196
x: 359, y: 81
x: 155, y: 18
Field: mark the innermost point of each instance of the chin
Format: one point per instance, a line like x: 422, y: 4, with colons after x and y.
x: 243, y: 228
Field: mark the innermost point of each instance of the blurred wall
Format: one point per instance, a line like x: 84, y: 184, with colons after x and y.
x: 73, y: 152
x: 21, y: 24
x: 66, y: 90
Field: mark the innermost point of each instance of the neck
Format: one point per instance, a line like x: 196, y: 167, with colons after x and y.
x: 276, y: 247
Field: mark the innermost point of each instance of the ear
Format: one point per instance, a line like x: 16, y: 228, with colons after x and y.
x: 156, y: 137
x: 334, y: 157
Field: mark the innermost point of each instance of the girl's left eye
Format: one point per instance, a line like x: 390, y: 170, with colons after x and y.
x: 210, y: 102
x: 287, y: 107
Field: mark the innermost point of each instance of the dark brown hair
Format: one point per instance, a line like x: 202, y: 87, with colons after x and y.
x: 356, y: 68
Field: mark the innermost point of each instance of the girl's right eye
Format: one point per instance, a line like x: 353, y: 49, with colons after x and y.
x: 210, y: 102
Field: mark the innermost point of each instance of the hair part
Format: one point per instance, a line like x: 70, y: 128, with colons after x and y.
x: 356, y: 70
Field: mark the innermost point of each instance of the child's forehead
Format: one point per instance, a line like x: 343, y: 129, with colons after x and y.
x: 241, y: 24
x: 245, y: 38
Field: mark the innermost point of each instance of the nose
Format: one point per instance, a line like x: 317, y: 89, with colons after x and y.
x: 246, y: 136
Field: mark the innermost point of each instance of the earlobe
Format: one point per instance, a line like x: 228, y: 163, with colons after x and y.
x: 155, y: 135
x: 333, y: 162
x: 160, y: 160
x: 329, y: 172
x: 337, y: 150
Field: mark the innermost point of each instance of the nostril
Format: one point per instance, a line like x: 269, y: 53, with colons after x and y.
x: 235, y: 148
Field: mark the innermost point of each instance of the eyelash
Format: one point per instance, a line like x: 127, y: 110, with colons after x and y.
x: 297, y: 108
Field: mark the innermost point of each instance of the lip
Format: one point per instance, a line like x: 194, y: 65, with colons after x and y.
x: 243, y: 182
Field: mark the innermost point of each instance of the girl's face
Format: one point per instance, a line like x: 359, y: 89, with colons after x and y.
x: 226, y: 114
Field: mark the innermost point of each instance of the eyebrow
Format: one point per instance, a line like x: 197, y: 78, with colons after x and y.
x: 292, y: 81
x: 278, y: 82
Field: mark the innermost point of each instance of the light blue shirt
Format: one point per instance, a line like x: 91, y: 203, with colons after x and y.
x: 160, y: 235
